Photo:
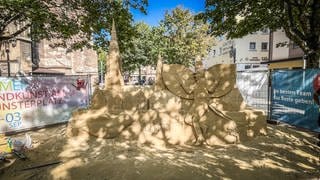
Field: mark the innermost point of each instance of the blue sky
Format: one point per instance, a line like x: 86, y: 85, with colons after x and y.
x: 157, y: 8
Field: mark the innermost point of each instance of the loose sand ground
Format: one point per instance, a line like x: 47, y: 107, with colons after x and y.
x: 284, y: 153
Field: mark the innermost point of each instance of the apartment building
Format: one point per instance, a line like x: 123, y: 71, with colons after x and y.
x: 247, y: 52
x: 289, y: 55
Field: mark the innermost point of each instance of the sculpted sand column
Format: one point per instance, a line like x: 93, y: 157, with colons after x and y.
x: 199, y: 106
x: 113, y: 78
x: 158, y: 85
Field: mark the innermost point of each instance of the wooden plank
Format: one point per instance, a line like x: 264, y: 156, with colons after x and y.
x: 41, y: 165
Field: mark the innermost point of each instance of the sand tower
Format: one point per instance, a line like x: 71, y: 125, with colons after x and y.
x: 113, y: 78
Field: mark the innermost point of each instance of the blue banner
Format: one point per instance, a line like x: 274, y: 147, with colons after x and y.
x: 292, y: 98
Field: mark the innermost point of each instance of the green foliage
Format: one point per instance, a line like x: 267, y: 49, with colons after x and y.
x: 299, y: 19
x: 239, y: 18
x: 184, y: 37
x: 159, y: 42
x: 179, y: 38
x: 125, y: 34
x: 102, y: 56
x: 66, y: 20
x: 139, y: 52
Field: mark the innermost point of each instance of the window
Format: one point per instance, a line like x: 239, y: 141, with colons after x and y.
x: 252, y: 46
x: 264, y: 46
x: 247, y: 66
x: 264, y: 31
x: 220, y: 51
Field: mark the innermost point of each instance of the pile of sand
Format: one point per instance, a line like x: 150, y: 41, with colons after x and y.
x: 283, y: 154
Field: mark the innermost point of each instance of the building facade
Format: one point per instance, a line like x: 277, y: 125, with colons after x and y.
x: 247, y: 52
x: 16, y: 54
x: 284, y: 54
x: 29, y: 58
x: 49, y: 60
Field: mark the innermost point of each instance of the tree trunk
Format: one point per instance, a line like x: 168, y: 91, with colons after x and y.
x: 313, y: 59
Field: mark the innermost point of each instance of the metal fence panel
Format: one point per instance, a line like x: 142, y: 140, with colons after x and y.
x: 253, y: 87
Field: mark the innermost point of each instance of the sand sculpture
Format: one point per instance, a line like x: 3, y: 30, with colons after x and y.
x: 183, y: 107
x: 114, y: 80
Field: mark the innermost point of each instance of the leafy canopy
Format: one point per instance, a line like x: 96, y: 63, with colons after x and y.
x: 185, y: 37
x: 179, y: 38
x: 139, y: 53
x: 72, y: 22
x: 300, y: 19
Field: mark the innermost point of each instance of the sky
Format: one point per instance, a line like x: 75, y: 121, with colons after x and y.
x: 157, y: 8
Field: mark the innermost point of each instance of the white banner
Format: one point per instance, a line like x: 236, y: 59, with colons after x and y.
x: 27, y: 102
x: 253, y: 87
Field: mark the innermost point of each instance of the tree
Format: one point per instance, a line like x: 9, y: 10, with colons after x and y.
x: 181, y: 46
x: 125, y: 32
x: 184, y: 37
x: 300, y: 20
x: 72, y: 22
x: 139, y: 54
x: 102, y: 56
x: 148, y: 42
x: 179, y: 38
x: 159, y: 42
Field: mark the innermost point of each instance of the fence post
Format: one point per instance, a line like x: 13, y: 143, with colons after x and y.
x: 90, y: 89
x: 269, y: 95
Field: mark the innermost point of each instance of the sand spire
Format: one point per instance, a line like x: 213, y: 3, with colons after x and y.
x: 114, y: 79
x: 158, y: 85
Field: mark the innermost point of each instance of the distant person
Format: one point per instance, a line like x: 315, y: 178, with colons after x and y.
x: 142, y: 81
x: 316, y: 94
x: 150, y: 81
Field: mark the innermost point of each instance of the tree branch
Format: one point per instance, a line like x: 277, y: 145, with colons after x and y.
x: 10, y: 20
x: 13, y: 18
x: 314, y: 20
x: 302, y: 17
x: 291, y: 22
x: 2, y: 38
x: 296, y: 39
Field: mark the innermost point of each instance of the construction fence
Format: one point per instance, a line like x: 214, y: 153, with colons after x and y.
x: 25, y: 102
x: 285, y: 95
